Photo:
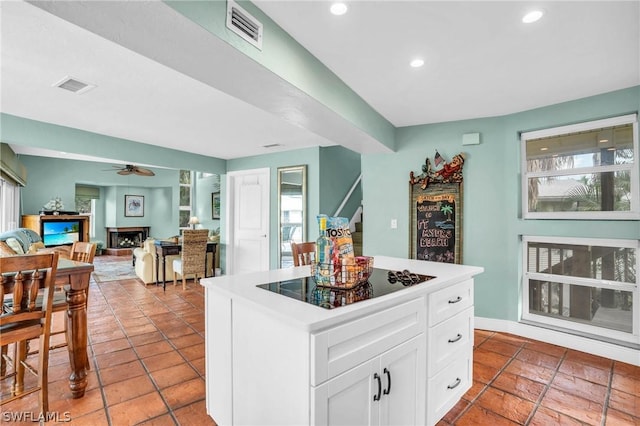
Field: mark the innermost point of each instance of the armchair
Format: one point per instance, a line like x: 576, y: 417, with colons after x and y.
x: 144, y: 259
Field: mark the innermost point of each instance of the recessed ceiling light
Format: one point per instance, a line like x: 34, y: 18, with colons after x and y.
x: 417, y: 63
x: 603, y: 140
x: 544, y: 148
x: 532, y: 16
x: 338, y: 8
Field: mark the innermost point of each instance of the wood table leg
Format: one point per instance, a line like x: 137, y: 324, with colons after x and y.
x: 77, y: 335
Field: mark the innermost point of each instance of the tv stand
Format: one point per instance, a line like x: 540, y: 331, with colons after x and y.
x: 34, y: 222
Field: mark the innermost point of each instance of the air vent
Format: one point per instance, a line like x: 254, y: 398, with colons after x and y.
x: 242, y: 23
x: 272, y: 145
x: 74, y: 85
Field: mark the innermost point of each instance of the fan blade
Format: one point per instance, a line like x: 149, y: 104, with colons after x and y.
x: 124, y: 172
x: 143, y: 172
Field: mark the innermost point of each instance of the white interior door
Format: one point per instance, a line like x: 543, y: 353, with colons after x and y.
x: 248, y: 202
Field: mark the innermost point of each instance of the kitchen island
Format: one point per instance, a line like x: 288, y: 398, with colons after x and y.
x: 399, y: 358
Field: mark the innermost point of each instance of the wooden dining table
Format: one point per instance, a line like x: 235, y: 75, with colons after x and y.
x: 74, y: 276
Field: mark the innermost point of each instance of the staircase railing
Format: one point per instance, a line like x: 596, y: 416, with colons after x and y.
x: 348, y: 196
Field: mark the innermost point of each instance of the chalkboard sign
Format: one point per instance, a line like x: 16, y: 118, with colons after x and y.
x: 436, y: 218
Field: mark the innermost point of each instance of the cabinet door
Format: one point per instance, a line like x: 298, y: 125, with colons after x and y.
x: 403, y: 371
x: 348, y: 398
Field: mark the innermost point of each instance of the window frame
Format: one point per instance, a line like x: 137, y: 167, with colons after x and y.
x: 633, y: 213
x: 584, y: 329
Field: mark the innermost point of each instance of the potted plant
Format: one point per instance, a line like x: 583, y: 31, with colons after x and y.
x: 99, y: 247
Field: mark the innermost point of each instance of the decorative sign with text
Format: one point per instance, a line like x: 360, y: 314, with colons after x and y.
x: 436, y: 218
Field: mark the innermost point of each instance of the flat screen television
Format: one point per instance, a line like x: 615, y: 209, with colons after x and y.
x: 61, y: 232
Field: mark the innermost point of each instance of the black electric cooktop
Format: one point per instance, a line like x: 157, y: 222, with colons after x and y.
x: 381, y: 282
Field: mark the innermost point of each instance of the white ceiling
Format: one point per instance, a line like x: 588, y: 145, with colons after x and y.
x: 480, y: 61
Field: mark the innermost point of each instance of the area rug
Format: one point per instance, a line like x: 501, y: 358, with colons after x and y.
x: 113, y: 271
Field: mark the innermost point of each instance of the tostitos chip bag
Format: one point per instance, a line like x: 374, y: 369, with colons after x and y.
x: 339, y: 232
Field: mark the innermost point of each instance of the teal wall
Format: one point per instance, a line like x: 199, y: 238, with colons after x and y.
x: 492, y: 223
x: 55, y: 177
x: 340, y: 169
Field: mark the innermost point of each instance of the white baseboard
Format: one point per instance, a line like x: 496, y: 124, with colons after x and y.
x: 579, y: 343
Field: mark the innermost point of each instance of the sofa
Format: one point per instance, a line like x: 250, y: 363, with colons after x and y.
x: 144, y: 260
x: 25, y: 240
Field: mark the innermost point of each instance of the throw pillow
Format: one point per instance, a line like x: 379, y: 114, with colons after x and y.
x: 34, y: 247
x: 15, y: 245
x: 5, y: 250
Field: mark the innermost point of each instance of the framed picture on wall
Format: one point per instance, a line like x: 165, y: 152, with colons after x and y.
x: 215, y: 205
x: 134, y: 205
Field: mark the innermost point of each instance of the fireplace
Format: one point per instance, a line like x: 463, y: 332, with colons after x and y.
x: 126, y: 237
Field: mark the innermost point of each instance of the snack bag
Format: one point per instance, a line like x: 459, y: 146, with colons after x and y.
x: 338, y: 230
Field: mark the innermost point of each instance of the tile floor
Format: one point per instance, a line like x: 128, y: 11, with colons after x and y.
x: 147, y: 358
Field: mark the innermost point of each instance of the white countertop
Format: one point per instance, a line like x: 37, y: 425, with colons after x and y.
x: 242, y: 289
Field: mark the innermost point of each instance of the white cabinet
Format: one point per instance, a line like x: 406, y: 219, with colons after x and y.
x: 449, y: 348
x: 386, y: 390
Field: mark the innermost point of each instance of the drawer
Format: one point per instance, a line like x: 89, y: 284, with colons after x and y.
x: 341, y: 348
x: 446, y: 388
x: 449, y: 339
x: 449, y: 301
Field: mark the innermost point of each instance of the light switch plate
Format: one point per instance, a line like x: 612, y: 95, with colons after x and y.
x: 471, y: 139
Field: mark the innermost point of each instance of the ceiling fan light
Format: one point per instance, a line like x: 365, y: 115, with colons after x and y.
x: 417, y: 63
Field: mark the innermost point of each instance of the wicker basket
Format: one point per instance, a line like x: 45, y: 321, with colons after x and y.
x: 349, y: 273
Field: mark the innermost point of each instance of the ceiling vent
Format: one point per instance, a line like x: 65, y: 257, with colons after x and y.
x: 242, y: 23
x: 74, y: 85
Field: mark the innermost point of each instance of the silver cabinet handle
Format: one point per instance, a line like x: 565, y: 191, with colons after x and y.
x: 456, y: 300
x: 455, y: 384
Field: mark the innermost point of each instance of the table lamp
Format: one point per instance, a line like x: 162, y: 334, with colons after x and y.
x: 193, y: 221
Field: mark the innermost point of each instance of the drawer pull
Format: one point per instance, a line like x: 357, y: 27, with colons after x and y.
x: 377, y: 377
x: 456, y: 300
x: 455, y: 384
x: 388, y: 389
x: 458, y: 337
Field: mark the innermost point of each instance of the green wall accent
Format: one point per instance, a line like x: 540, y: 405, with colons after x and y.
x: 492, y: 223
x: 22, y: 131
x: 339, y: 171
x: 285, y: 57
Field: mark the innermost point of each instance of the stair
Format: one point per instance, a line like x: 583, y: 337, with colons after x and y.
x: 357, y: 239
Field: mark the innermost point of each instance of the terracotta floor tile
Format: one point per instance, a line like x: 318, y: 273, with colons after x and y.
x: 164, y: 420
x: 457, y: 409
x: 112, y: 359
x: 538, y: 358
x: 125, y: 390
x: 625, y: 402
x: 584, y: 371
x: 579, y: 408
x: 546, y: 417
x: 147, y: 338
x: 628, y: 384
x: 140, y: 329
x: 188, y: 340
x: 626, y: 369
x: 111, y: 346
x: 199, y: 365
x: 477, y: 416
x: 546, y: 348
x: 184, y: 393
x: 138, y: 409
x: 121, y: 372
x: 170, y: 376
x: 162, y: 360
x: 180, y: 331
x: 106, y: 336
x: 97, y: 418
x: 510, y: 406
x: 194, y: 414
x: 490, y: 358
x: 592, y: 360
x: 530, y: 371
x: 580, y: 387
x: 618, y: 418
x: 500, y: 347
x: 155, y: 348
x: 484, y: 373
x: 519, y: 386
x: 511, y: 338
x: 475, y: 390
x: 89, y: 403
x: 193, y: 352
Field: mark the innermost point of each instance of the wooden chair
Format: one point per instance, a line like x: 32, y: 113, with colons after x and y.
x: 303, y: 253
x: 193, y: 257
x: 81, y: 252
x: 24, y: 319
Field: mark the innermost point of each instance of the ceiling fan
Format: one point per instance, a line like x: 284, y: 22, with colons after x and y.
x: 131, y: 169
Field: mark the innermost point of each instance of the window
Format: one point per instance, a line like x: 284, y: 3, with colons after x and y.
x: 185, y: 198
x: 585, y: 285
x: 10, y: 201
x: 583, y: 171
